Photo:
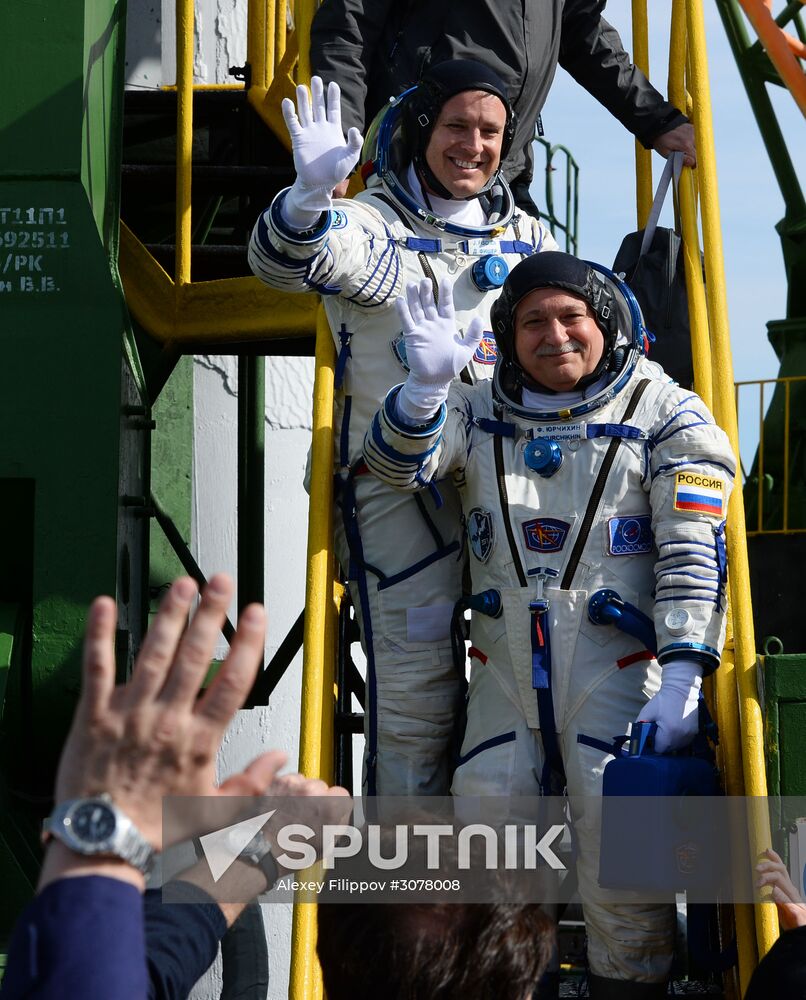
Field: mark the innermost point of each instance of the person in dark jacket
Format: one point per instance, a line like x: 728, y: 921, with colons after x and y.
x: 375, y: 50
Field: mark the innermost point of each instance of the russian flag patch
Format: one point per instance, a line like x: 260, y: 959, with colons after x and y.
x: 698, y: 493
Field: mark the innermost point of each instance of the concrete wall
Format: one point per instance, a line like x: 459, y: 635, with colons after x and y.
x: 288, y: 422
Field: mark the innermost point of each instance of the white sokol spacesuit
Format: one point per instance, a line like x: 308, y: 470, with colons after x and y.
x: 403, y: 554
x: 621, y: 486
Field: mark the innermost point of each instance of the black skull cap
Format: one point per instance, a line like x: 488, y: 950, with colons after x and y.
x: 441, y: 82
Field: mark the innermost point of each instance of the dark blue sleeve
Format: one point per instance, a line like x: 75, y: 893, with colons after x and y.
x: 781, y: 974
x: 181, y: 939
x: 80, y: 937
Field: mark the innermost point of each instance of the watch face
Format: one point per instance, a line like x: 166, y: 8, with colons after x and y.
x: 93, y: 822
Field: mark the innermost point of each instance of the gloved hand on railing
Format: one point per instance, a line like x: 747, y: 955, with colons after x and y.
x: 674, y: 708
x: 322, y: 158
x: 436, y: 352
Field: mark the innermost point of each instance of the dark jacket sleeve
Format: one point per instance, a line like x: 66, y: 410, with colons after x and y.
x: 181, y: 939
x: 80, y: 937
x: 345, y: 35
x: 782, y: 971
x: 592, y: 52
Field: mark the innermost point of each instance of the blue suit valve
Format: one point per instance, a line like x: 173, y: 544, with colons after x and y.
x: 606, y: 607
x: 489, y: 272
x: 488, y: 602
x: 543, y: 456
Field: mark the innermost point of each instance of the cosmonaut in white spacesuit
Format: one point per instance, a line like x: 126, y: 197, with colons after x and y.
x: 435, y: 205
x: 581, y: 467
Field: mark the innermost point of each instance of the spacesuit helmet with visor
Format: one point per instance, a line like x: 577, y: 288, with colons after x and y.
x: 613, y: 307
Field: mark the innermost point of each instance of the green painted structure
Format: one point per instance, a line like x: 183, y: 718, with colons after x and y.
x: 785, y: 735
x: 74, y: 453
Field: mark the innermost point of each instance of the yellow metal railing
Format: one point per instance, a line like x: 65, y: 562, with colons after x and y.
x: 734, y: 690
x: 176, y: 309
x: 643, y: 157
x: 322, y: 597
x: 757, y: 526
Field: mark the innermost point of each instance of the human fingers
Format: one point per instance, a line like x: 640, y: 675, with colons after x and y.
x: 98, y: 659
x: 791, y: 915
x: 771, y: 867
x: 286, y: 784
x: 772, y: 862
x: 197, y: 645
x: 781, y: 881
x: 681, y: 139
x: 257, y: 777
x: 318, y: 109
x: 303, y: 106
x: 236, y: 676
x: 308, y: 787
x: 159, y: 646
x: 290, y: 117
x: 445, y: 307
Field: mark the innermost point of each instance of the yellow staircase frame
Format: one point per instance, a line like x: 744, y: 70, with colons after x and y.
x: 244, y: 309
x: 734, y: 692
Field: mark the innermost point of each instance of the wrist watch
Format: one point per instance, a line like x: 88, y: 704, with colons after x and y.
x: 258, y: 854
x: 96, y: 827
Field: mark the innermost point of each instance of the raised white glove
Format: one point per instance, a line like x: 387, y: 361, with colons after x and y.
x: 674, y: 707
x: 322, y: 158
x: 436, y: 352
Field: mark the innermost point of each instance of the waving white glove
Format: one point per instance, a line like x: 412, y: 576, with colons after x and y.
x: 322, y: 158
x: 674, y: 707
x: 436, y: 352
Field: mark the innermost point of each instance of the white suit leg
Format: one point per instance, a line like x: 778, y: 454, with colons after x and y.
x: 502, y: 756
x: 404, y: 594
x: 626, y: 941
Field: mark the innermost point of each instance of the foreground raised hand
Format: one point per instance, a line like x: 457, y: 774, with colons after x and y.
x: 153, y: 736
x: 436, y: 351
x: 323, y: 159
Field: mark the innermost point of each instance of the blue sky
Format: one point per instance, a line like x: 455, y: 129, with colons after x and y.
x: 750, y: 201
